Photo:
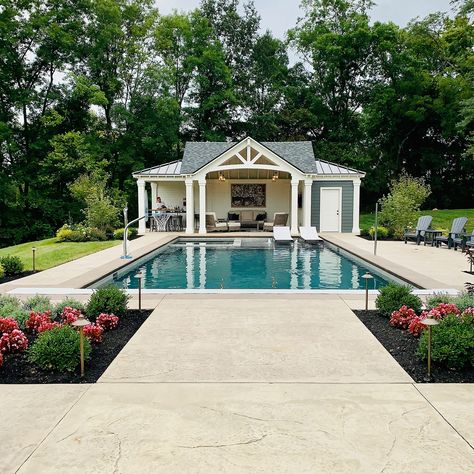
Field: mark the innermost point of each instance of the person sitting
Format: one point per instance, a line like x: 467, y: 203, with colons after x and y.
x: 160, y: 205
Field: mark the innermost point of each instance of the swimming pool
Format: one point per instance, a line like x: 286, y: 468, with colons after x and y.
x: 247, y: 263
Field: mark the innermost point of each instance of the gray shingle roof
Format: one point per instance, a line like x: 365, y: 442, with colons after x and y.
x: 198, y: 154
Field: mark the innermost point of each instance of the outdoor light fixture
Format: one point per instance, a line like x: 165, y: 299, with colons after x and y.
x: 80, y: 323
x: 34, y: 258
x: 139, y: 275
x: 430, y: 322
x: 367, y: 277
x: 275, y: 176
x: 221, y: 177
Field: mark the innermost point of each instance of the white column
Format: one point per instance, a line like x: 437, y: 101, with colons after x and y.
x: 154, y: 194
x: 141, y: 206
x: 308, y: 184
x: 356, y: 210
x: 294, y: 206
x: 202, y: 206
x: 189, y: 206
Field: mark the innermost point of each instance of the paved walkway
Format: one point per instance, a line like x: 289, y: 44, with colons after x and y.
x: 218, y: 384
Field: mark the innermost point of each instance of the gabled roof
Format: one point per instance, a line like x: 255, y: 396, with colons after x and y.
x: 298, y: 154
x: 199, y: 154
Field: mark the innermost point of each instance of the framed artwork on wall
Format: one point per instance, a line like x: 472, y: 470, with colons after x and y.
x: 248, y: 195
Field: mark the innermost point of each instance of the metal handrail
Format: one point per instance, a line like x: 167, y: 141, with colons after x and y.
x: 125, y: 235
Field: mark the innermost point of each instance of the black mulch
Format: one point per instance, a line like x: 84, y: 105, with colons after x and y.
x: 17, y: 370
x: 403, y: 346
x: 6, y: 279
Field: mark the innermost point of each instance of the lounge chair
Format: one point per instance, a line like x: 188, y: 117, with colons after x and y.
x: 282, y: 235
x: 457, y: 228
x: 310, y: 235
x: 279, y: 220
x: 213, y: 225
x: 423, y: 224
x: 464, y: 241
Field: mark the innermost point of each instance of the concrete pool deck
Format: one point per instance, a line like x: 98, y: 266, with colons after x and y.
x: 244, y: 383
x: 206, y: 387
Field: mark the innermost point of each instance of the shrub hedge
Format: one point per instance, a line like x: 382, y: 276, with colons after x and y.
x: 393, y: 296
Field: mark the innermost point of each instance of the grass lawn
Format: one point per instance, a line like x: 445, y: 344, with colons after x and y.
x: 441, y: 219
x: 50, y: 253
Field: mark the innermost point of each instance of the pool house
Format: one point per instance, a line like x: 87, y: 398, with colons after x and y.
x: 249, y: 182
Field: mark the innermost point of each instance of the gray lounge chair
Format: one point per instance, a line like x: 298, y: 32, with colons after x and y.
x: 213, y: 225
x: 423, y: 224
x: 464, y: 241
x: 457, y: 228
x: 279, y: 220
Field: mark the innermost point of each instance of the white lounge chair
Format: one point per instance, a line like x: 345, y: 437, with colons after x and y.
x: 310, y: 234
x: 282, y: 235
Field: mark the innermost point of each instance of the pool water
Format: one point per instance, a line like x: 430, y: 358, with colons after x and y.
x: 248, y: 264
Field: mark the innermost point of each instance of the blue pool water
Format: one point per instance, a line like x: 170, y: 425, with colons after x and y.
x: 247, y: 264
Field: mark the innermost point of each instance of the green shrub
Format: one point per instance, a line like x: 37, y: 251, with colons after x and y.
x: 80, y: 233
x: 132, y: 232
x: 2, y: 272
x: 436, y: 299
x: 12, y: 265
x: 382, y: 232
x: 393, y: 296
x: 463, y: 301
x: 364, y: 232
x: 108, y: 299
x: 10, y: 301
x: 38, y: 303
x: 72, y: 303
x: 58, y: 349
x: 452, y: 343
x: 20, y: 316
x: 400, y: 206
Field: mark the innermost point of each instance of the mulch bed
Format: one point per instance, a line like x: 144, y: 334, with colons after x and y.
x: 403, y: 346
x: 6, y: 279
x: 17, y: 370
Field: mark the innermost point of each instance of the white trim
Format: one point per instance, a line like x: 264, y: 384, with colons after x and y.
x: 294, y: 206
x: 324, y: 188
x: 202, y: 206
x: 141, y: 205
x: 307, y: 202
x: 356, y: 207
x: 189, y: 183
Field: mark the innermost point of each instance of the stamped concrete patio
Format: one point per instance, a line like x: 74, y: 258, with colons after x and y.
x: 215, y: 383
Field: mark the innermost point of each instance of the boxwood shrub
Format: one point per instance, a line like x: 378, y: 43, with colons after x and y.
x: 58, y: 349
x: 12, y: 265
x: 109, y: 299
x: 393, y: 296
x: 452, y: 343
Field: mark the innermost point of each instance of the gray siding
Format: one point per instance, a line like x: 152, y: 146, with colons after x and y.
x: 347, y: 202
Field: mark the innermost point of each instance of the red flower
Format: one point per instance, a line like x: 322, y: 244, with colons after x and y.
x: 107, y: 321
x: 402, y: 317
x: 8, y: 325
x: 12, y: 342
x: 94, y: 333
x: 69, y: 315
x: 416, y: 327
x: 47, y: 326
x: 36, y: 320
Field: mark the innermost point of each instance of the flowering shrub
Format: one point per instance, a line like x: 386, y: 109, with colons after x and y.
x: 69, y: 315
x: 12, y: 342
x: 36, y: 320
x: 416, y: 327
x: 7, y: 325
x: 402, y: 318
x: 107, y: 321
x: 443, y: 309
x: 468, y: 311
x: 47, y: 325
x: 94, y: 333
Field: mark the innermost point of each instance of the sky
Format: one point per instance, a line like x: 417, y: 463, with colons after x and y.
x: 280, y: 15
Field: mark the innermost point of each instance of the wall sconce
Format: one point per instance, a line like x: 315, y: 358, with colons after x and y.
x: 275, y: 176
x: 221, y: 177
